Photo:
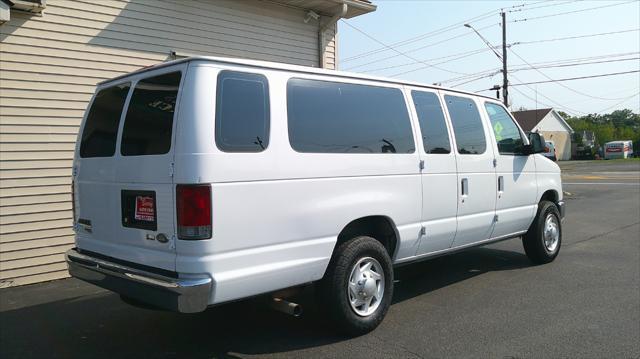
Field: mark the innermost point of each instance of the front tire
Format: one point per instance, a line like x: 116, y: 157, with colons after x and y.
x: 542, y: 241
x: 357, y: 288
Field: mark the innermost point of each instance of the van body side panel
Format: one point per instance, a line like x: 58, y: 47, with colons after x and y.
x: 476, y: 179
x: 277, y: 213
x: 439, y: 176
x: 516, y: 203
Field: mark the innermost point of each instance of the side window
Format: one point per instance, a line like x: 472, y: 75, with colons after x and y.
x: 433, y: 127
x: 467, y: 125
x: 149, y: 122
x: 242, y: 112
x: 101, y: 127
x: 333, y: 117
x: 508, y: 136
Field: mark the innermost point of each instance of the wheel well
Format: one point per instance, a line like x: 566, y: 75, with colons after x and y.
x: 379, y: 227
x: 550, y: 195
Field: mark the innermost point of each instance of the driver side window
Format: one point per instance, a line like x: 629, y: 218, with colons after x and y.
x: 508, y: 136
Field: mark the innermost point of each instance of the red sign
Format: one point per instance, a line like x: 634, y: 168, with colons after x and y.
x: 144, y: 209
x: 614, y: 149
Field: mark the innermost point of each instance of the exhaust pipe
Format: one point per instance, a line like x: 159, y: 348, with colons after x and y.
x: 286, y: 307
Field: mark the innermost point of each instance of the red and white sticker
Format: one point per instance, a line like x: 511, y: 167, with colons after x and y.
x: 144, y: 209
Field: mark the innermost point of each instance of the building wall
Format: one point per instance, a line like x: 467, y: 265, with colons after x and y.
x: 555, y: 129
x: 562, y: 140
x: 50, y: 65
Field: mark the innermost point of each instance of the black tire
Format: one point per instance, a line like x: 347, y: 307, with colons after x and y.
x: 534, y: 240
x: 333, y: 297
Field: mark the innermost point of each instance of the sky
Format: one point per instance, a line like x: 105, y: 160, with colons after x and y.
x: 425, y: 41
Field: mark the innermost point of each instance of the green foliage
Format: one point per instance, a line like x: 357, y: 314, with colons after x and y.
x: 617, y: 125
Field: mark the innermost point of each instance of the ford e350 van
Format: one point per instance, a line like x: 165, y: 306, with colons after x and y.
x: 205, y: 180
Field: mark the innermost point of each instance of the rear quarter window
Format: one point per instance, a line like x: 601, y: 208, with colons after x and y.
x: 101, y: 126
x: 149, y: 120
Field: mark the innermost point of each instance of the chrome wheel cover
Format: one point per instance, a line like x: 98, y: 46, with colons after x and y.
x: 365, y: 288
x: 551, y: 233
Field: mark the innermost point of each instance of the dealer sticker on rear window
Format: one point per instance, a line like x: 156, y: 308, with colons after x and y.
x: 144, y: 209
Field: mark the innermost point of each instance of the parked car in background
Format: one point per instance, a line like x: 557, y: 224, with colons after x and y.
x: 618, y: 149
x: 550, y: 151
x: 207, y: 180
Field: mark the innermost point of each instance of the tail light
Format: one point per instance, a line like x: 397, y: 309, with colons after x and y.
x: 193, y: 207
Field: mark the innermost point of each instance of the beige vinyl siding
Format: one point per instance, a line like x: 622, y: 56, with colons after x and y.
x: 50, y: 65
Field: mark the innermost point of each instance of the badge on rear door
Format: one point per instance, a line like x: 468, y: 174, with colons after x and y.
x: 144, y: 209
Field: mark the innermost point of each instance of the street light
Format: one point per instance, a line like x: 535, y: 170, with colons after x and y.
x: 485, y: 41
x: 503, y: 58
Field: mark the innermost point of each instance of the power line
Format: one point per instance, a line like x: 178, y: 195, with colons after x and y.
x: 573, y: 64
x: 575, y: 61
x: 543, y: 6
x: 420, y: 37
x: 416, y: 49
x: 558, y: 83
x: 402, y: 53
x: 572, y: 12
x: 579, y: 78
x: 445, y: 29
x: 472, y: 52
x: 619, y: 103
x: 575, y: 37
x: 556, y: 104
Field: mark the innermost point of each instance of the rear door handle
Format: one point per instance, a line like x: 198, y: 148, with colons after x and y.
x: 465, y: 186
x: 500, y: 183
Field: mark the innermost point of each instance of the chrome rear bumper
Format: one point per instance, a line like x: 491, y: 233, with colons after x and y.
x: 185, y: 295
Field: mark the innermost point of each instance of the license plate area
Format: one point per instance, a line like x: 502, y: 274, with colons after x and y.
x: 139, y: 209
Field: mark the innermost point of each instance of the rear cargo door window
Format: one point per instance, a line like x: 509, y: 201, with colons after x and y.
x: 242, y: 112
x: 149, y: 120
x: 101, y: 127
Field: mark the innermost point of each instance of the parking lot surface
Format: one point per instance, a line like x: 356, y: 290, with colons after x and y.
x: 488, y: 302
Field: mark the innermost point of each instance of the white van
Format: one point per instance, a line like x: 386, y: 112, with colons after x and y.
x: 206, y: 180
x: 618, y: 149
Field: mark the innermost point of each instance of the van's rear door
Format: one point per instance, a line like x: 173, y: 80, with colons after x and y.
x: 125, y: 205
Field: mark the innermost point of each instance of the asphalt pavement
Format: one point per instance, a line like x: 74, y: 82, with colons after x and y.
x: 488, y: 302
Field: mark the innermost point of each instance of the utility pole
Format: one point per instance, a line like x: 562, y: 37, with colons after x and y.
x: 505, y: 82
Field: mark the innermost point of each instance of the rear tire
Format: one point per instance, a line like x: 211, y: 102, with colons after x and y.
x: 542, y: 241
x: 357, y: 288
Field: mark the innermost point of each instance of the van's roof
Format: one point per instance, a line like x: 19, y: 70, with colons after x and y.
x: 288, y: 67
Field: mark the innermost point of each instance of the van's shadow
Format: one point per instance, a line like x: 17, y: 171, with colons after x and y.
x: 102, y: 326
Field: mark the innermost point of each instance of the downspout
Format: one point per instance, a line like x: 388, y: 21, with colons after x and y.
x: 322, y: 28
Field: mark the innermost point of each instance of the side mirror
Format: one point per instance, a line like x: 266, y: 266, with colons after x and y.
x: 536, y: 143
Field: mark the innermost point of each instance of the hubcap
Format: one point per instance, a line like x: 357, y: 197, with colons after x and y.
x: 551, y: 233
x: 366, y: 286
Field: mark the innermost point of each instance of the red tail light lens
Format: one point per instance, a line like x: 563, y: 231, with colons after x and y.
x: 193, y: 207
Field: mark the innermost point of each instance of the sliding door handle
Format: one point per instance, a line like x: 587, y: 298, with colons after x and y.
x: 500, y: 183
x: 464, y: 187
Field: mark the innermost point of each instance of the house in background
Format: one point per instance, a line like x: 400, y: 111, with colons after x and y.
x: 551, y: 125
x: 54, y: 52
x: 583, y: 146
